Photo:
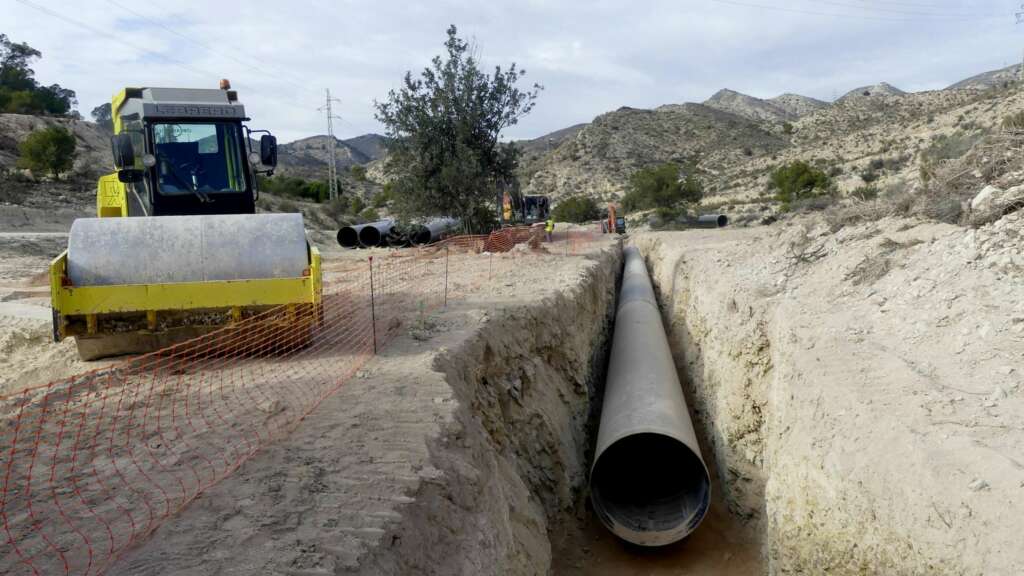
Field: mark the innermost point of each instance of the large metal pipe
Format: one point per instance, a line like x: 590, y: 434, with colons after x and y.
x: 649, y: 484
x: 712, y: 221
x: 431, y: 230
x: 373, y: 233
x: 348, y: 236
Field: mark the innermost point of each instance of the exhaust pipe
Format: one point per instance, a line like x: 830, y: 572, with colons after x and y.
x: 431, y: 231
x: 649, y: 484
x: 373, y: 234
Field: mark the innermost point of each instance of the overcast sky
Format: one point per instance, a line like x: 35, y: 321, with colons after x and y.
x: 591, y: 56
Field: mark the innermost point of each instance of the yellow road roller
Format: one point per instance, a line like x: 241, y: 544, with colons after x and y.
x: 176, y: 248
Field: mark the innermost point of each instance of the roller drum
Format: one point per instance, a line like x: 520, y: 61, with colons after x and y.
x: 171, y: 249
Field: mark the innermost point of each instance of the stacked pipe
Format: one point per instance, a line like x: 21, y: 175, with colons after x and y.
x: 388, y: 233
x: 648, y: 484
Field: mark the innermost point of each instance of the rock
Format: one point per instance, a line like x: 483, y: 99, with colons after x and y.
x: 984, y: 198
x: 992, y: 201
x: 978, y: 485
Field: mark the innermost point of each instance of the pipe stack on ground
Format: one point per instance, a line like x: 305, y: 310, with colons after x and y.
x: 649, y: 484
x: 374, y: 233
x: 431, y: 230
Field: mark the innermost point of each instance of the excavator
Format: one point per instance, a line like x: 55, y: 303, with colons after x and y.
x: 176, y: 248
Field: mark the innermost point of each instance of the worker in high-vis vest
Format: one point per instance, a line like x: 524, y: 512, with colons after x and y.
x: 549, y: 228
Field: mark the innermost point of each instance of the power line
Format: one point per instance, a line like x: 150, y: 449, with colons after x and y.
x: 932, y: 15
x: 99, y: 32
x: 207, y: 47
x: 832, y: 14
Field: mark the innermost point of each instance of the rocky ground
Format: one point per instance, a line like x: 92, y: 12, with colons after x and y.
x: 860, y: 392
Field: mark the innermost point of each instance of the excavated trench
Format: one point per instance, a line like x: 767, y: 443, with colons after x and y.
x: 512, y: 495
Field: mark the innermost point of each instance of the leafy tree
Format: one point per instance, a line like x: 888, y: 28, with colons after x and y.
x: 444, y: 153
x: 49, y: 150
x: 102, y: 115
x: 369, y: 215
x: 19, y: 91
x: 578, y: 209
x: 660, y: 187
x: 798, y: 181
x: 356, y: 205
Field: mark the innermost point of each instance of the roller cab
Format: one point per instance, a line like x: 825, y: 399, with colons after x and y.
x: 176, y: 248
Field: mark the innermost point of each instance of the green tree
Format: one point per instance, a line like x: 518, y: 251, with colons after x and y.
x: 660, y: 187
x: 49, y: 150
x: 578, y: 209
x: 358, y: 172
x: 444, y: 151
x: 19, y: 91
x: 798, y: 180
x: 101, y: 114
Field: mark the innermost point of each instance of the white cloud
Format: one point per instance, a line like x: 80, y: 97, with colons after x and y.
x: 591, y: 56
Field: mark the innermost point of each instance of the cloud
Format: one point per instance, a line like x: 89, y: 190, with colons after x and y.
x: 591, y: 55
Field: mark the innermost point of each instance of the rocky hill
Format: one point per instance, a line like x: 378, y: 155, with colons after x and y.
x: 875, y: 91
x: 601, y: 156
x: 797, y: 105
x: 992, y: 79
x: 875, y: 136
x: 749, y: 107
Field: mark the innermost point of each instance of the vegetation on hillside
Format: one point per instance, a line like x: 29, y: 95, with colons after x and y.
x: 578, y: 209
x: 798, y: 181
x: 20, y: 93
x: 51, y: 150
x: 662, y: 187
x: 443, y: 128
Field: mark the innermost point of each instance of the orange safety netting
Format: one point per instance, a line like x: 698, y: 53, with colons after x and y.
x: 94, y: 463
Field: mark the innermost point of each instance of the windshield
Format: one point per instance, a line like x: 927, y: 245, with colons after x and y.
x: 198, y: 158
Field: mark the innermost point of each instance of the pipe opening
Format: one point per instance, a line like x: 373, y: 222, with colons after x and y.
x: 369, y: 237
x: 650, y: 484
x: 348, y: 237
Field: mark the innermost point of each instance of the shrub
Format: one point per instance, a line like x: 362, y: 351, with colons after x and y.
x: 368, y: 214
x: 314, y: 191
x: 49, y: 150
x: 876, y: 164
x: 578, y: 209
x: 358, y: 172
x: 660, y: 187
x: 356, y: 205
x: 865, y: 193
x: 869, y: 176
x: 787, y: 128
x: 798, y: 181
x: 1014, y: 121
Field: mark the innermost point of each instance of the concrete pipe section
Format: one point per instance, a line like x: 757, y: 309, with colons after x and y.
x: 649, y: 484
x: 713, y: 221
x: 374, y: 233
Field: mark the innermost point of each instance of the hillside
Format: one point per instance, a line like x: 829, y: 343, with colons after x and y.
x: 877, y: 135
x: 599, y: 159
x: 991, y: 79
x: 749, y: 107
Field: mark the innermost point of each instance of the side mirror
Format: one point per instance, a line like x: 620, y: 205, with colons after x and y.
x: 129, y: 176
x: 123, y: 151
x: 268, y: 150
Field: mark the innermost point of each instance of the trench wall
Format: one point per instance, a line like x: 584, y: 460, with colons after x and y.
x: 511, y: 469
x: 853, y: 390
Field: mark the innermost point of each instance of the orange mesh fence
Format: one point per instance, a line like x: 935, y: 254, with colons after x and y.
x: 94, y: 463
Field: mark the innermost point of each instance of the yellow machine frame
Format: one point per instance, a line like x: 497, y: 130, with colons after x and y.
x: 92, y: 301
